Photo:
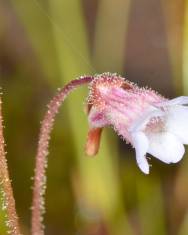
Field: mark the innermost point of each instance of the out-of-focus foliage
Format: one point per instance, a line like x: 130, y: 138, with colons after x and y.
x: 43, y: 45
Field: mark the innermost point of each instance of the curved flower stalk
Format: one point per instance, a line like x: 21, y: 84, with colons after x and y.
x: 7, y: 193
x: 37, y: 227
x: 149, y: 122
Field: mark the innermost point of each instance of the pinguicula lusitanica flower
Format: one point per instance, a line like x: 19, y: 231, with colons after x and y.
x: 149, y: 122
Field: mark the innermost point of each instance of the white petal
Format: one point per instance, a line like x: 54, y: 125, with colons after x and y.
x: 166, y: 147
x: 177, y: 122
x: 144, y: 119
x: 181, y: 100
x: 140, y: 142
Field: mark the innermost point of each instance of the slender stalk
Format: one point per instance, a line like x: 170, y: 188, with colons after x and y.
x: 7, y: 192
x: 42, y: 152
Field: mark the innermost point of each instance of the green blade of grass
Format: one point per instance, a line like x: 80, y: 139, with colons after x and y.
x: 151, y: 206
x: 37, y: 26
x: 109, y: 55
x: 99, y: 180
x: 110, y: 35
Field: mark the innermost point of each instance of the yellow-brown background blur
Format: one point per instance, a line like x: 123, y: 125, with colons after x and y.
x: 46, y: 43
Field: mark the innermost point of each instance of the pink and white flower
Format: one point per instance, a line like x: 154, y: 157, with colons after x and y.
x: 149, y: 122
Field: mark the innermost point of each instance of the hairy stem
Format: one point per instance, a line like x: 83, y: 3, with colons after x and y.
x: 7, y: 192
x: 38, y: 208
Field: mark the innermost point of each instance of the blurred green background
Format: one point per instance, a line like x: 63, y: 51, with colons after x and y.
x: 46, y: 43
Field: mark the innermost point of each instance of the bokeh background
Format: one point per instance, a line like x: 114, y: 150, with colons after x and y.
x: 46, y: 43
